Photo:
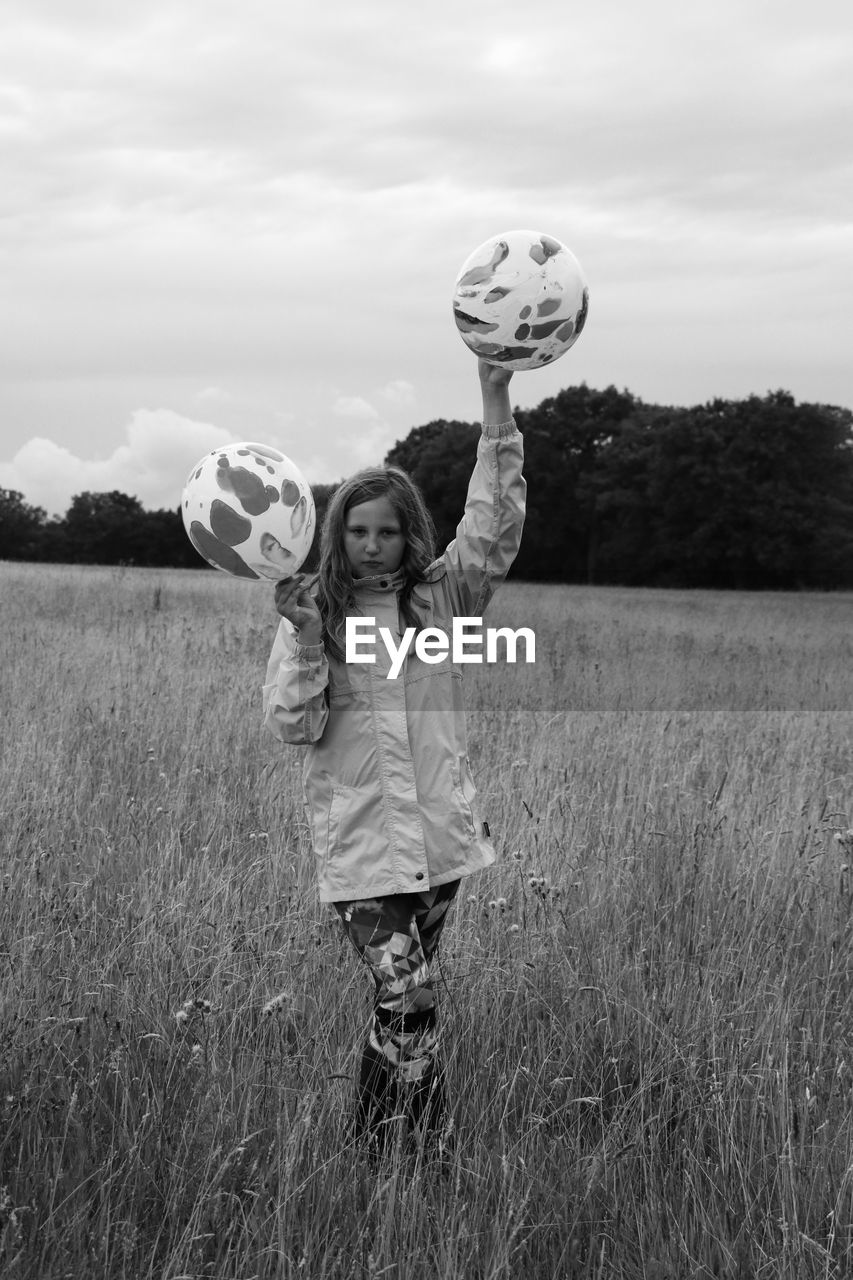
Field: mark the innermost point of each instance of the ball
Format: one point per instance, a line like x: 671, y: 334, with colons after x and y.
x: 520, y: 300
x: 249, y: 511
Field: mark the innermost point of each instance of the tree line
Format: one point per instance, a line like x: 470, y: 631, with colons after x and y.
x: 752, y: 493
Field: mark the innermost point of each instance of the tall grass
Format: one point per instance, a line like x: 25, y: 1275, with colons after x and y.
x: 647, y: 1002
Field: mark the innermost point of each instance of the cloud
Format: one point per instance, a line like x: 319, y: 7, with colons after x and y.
x: 209, y: 210
x: 152, y: 465
x: 369, y: 447
x: 398, y: 392
x: 368, y: 443
x: 108, y: 117
x: 354, y: 407
x: 214, y: 395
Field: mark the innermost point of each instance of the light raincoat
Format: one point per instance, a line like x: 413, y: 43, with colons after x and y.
x: 388, y: 789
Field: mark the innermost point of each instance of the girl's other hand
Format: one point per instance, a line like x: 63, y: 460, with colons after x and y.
x: 294, y: 601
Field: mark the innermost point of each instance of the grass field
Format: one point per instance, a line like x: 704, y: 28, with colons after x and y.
x: 648, y: 1001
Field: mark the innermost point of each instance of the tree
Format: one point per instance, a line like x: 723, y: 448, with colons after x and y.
x: 616, y: 491
x: 164, y: 542
x: 439, y: 458
x: 748, y: 493
x: 752, y: 493
x: 21, y: 527
x: 565, y: 437
x: 105, y: 528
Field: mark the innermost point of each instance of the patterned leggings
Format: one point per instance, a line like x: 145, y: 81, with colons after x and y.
x: 400, y: 1076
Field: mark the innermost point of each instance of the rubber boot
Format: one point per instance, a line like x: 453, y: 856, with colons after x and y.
x: 377, y: 1119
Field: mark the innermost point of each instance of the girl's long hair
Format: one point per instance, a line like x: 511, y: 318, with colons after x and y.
x: 335, y: 596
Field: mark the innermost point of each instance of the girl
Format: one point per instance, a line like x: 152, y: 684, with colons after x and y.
x: 388, y: 788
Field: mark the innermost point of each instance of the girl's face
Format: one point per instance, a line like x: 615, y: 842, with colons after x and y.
x: 373, y: 539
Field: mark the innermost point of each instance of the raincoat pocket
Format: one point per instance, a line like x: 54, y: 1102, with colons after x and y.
x: 465, y: 794
x: 352, y: 830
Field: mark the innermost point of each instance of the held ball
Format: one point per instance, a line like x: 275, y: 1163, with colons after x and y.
x: 249, y: 511
x: 520, y: 300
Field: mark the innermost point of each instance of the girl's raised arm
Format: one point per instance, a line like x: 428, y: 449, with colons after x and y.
x: 489, y: 534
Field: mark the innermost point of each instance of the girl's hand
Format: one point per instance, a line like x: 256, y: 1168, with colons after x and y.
x: 294, y: 602
x: 494, y: 385
x: 493, y: 375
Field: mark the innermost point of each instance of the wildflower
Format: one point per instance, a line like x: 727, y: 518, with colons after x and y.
x: 12, y: 1215
x: 191, y: 1006
x: 196, y: 1052
x: 514, y: 928
x: 472, y: 898
x: 273, y: 1006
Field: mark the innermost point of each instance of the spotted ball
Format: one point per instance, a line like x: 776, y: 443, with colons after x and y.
x: 520, y: 300
x: 249, y: 511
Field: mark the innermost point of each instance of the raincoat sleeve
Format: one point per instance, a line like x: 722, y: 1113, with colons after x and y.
x: 489, y: 533
x: 295, y: 693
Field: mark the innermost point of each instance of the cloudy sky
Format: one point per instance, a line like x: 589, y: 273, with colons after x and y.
x: 234, y: 221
